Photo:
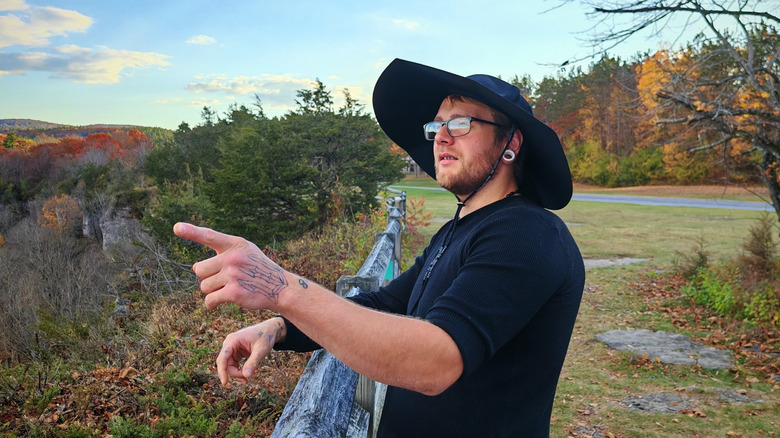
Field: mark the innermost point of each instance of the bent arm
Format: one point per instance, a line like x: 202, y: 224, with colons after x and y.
x: 397, y: 350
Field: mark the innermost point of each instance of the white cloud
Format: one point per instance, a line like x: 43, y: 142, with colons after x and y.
x: 357, y: 93
x: 32, y: 26
x: 201, y: 40
x: 80, y: 64
x: 200, y: 103
x: 277, y: 92
x: 406, y: 24
x: 168, y: 101
x: 264, y: 85
x: 13, y: 5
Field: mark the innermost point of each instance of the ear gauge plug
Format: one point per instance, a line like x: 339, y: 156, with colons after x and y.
x: 508, y: 157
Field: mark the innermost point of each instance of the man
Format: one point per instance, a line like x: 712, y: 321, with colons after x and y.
x: 471, y: 339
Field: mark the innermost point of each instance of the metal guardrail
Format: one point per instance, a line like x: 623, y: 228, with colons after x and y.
x: 330, y: 400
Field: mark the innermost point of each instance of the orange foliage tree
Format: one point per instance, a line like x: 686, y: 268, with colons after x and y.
x: 60, y: 213
x: 729, y: 91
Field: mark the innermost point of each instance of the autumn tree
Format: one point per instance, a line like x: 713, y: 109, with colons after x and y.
x: 9, y: 140
x: 60, y: 213
x: 559, y: 101
x: 730, y: 91
x: 610, y: 90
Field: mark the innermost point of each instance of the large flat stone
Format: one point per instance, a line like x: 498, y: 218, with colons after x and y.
x: 669, y: 348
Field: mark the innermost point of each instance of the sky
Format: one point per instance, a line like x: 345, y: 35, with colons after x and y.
x: 158, y: 63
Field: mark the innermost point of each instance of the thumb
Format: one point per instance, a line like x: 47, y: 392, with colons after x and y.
x: 251, y: 363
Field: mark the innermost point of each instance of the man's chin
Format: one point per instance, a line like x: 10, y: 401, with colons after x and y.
x: 454, y: 189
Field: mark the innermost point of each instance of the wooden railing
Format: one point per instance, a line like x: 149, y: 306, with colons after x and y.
x: 330, y: 399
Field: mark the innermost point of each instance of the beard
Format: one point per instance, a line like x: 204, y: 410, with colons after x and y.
x: 471, y: 176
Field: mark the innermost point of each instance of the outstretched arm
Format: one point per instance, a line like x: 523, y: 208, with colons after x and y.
x: 396, y: 350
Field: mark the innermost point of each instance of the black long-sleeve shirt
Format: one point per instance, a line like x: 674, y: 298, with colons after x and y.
x: 507, y: 290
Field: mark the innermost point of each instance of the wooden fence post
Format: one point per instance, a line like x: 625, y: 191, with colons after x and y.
x: 331, y: 400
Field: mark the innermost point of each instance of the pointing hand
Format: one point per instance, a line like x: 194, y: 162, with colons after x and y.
x: 240, y: 273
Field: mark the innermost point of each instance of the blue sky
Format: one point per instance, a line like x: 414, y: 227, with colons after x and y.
x: 157, y: 63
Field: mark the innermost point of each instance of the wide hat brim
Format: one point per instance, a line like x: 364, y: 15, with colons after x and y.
x: 408, y: 95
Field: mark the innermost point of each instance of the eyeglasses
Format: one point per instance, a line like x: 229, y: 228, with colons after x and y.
x: 456, y: 127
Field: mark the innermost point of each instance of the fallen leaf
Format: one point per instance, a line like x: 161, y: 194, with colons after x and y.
x: 128, y: 373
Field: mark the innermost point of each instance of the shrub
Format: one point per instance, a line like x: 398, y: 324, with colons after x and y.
x: 60, y: 285
x: 689, y: 265
x: 746, y: 288
x: 412, y: 239
x: 339, y: 248
x: 709, y: 290
x: 763, y: 304
x: 758, y: 261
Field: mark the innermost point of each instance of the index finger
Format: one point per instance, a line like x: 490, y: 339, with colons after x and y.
x: 215, y: 240
x: 222, y: 365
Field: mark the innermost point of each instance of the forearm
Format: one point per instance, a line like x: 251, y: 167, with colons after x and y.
x: 396, y: 350
x: 393, y: 349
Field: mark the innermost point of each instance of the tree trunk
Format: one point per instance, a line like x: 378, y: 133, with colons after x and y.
x: 770, y: 172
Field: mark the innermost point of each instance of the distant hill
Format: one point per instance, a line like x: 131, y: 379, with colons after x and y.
x: 22, y: 124
x: 30, y: 124
x: 29, y: 128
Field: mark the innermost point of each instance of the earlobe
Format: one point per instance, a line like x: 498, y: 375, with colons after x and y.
x: 508, y: 157
x: 514, y: 147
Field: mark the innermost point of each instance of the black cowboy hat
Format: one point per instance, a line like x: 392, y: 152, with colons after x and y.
x: 408, y: 95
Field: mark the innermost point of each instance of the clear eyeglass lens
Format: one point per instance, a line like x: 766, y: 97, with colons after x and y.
x: 459, y: 126
x: 455, y: 127
x: 431, y: 128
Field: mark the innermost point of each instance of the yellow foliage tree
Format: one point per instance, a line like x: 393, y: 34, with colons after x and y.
x: 60, y: 213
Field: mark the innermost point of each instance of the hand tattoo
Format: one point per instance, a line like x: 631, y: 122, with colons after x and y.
x: 303, y: 283
x: 264, y: 277
x: 282, y: 329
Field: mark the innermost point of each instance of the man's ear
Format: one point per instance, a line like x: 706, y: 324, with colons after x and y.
x: 517, y: 142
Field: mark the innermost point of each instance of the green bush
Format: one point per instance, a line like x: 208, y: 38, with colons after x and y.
x: 709, y: 290
x: 339, y: 248
x: 763, y: 305
x: 590, y: 163
x: 746, y: 288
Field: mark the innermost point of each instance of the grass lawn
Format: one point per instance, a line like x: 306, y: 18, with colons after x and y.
x: 607, y: 230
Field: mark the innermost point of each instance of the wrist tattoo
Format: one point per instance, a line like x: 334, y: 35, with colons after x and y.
x: 265, y: 277
x: 303, y: 283
x: 260, y: 335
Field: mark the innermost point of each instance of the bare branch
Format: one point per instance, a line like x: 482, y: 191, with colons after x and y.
x: 659, y: 7
x: 711, y: 145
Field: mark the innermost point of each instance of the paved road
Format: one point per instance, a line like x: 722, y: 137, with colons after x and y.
x: 674, y: 202
x: 650, y: 200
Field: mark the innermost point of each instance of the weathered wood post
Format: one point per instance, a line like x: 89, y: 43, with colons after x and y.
x: 330, y: 399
